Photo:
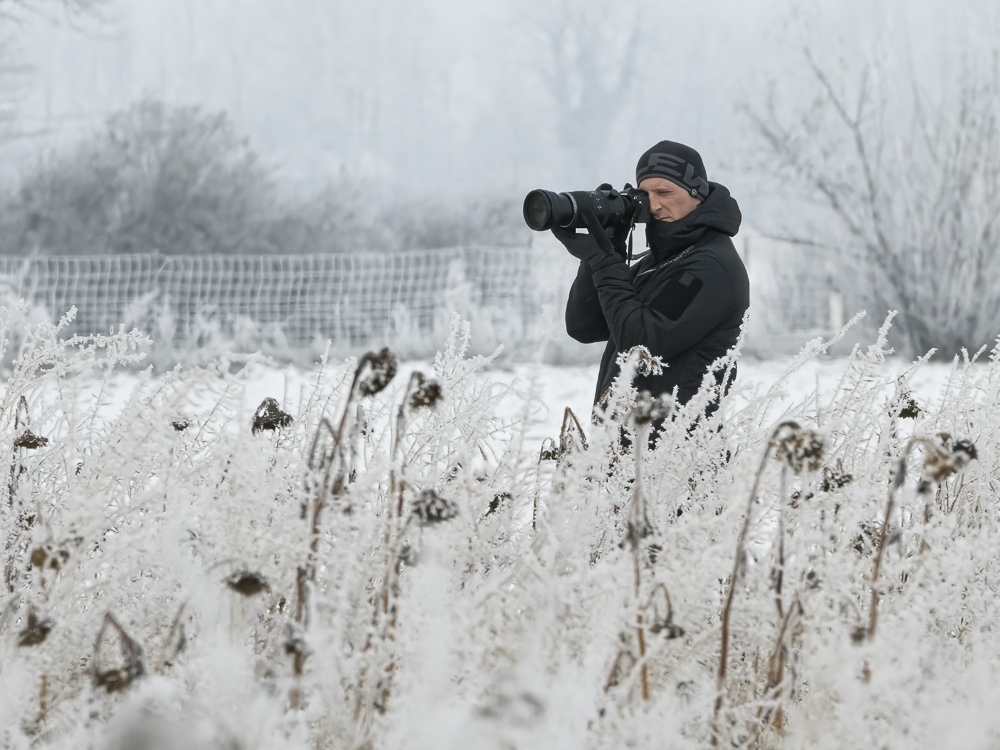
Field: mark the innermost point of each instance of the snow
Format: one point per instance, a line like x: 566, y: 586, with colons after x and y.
x: 552, y: 388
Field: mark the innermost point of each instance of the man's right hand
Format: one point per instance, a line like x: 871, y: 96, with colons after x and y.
x: 617, y: 233
x: 580, y: 245
x: 587, y: 248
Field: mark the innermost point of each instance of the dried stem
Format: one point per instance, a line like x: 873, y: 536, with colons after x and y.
x: 638, y: 524
x: 897, y: 482
x: 737, y: 567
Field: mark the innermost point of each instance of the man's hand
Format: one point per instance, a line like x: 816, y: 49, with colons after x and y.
x: 591, y: 249
x: 617, y: 233
x: 580, y: 245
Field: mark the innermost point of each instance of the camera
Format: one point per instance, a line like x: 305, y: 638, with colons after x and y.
x: 544, y: 209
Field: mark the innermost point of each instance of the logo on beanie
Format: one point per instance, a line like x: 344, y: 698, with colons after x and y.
x: 667, y: 166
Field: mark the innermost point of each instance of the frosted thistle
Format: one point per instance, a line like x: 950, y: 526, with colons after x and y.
x: 247, y: 583
x: 269, y: 416
x: 427, y: 393
x: 30, y: 440
x: 910, y: 409
x: 661, y: 614
x: 114, y: 678
x: 382, y: 369
x: 549, y: 450
x: 945, y: 457
x: 645, y: 362
x: 799, y: 447
x: 649, y: 408
x: 432, y: 509
x: 42, y: 555
x: 180, y: 425
x: 835, y: 479
x: 36, y: 629
x: 572, y: 438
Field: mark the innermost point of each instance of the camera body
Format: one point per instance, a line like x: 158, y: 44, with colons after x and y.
x: 544, y: 209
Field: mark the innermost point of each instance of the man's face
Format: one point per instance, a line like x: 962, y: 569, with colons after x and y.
x: 668, y: 201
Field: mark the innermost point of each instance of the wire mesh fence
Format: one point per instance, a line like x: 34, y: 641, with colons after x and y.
x: 512, y: 296
x: 351, y: 300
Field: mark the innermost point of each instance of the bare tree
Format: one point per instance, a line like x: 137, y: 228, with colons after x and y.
x: 913, y: 186
x: 590, y: 72
x: 14, y: 10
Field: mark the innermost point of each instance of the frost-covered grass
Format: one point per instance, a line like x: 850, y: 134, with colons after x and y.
x: 392, y: 570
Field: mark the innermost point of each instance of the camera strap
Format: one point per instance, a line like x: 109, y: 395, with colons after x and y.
x: 667, y: 262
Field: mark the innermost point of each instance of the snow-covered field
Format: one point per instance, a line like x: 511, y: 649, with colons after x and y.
x: 552, y: 387
x: 389, y: 562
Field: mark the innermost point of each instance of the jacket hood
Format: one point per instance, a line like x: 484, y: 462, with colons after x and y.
x: 719, y: 211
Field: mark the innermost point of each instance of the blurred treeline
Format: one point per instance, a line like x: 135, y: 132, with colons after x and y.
x: 180, y: 180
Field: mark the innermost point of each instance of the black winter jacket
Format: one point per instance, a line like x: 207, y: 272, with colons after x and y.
x: 684, y: 303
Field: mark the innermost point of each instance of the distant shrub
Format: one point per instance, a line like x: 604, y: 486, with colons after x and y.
x: 159, y: 178
x: 180, y: 181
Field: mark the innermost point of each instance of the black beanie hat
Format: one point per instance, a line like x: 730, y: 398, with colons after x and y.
x: 675, y: 162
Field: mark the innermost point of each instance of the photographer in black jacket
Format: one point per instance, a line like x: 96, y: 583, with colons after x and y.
x: 685, y: 299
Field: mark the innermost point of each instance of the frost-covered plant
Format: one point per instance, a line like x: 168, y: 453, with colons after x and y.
x: 386, y: 561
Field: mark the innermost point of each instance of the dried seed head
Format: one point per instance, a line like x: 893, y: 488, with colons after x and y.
x: 30, y: 440
x: 572, y: 438
x: 246, y: 583
x: 945, y: 457
x: 295, y: 642
x: 180, y: 425
x: 645, y: 362
x: 910, y: 409
x: 497, y: 501
x: 549, y: 451
x: 431, y: 508
x: 661, y: 614
x: 269, y: 417
x: 426, y: 395
x: 116, y: 677
x: 834, y: 480
x: 382, y: 369
x: 669, y: 629
x: 59, y: 559
x: 409, y: 554
x: 116, y: 680
x: 36, y: 630
x: 799, y: 447
x: 637, y: 530
x: 651, y: 409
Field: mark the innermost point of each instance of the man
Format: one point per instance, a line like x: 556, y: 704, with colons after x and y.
x: 684, y: 300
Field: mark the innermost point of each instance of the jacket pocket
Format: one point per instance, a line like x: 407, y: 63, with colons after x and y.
x: 678, y: 294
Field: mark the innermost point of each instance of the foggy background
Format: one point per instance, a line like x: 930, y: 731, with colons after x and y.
x: 350, y: 127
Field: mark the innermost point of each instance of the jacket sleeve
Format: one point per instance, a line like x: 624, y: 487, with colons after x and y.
x: 585, y: 320
x: 632, y: 322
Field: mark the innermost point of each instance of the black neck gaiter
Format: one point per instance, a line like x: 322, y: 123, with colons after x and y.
x: 666, y: 238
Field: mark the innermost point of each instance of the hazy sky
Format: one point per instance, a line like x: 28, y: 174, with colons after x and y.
x: 446, y: 96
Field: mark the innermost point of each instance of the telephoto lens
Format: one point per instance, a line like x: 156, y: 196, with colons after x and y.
x: 544, y: 209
